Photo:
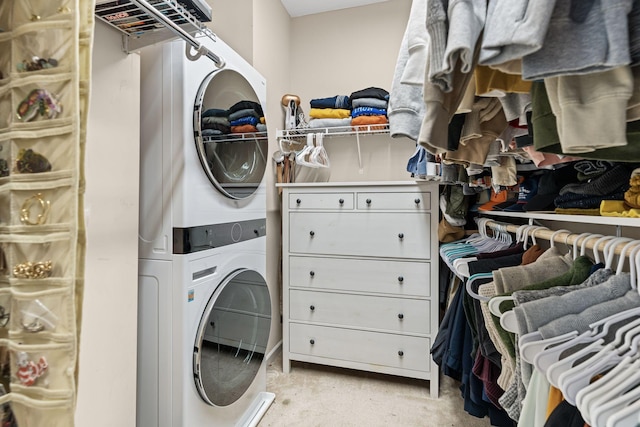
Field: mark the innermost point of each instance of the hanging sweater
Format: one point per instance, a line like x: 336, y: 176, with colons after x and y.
x: 406, y: 106
x: 583, y: 37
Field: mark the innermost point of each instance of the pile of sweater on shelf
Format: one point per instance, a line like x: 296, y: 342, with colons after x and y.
x: 242, y: 117
x: 246, y: 116
x: 369, y: 108
x: 215, y: 122
x: 330, y: 112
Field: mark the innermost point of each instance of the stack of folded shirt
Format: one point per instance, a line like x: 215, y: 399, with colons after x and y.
x: 601, y: 181
x: 369, y: 107
x: 334, y: 111
x: 215, y: 122
x: 246, y: 116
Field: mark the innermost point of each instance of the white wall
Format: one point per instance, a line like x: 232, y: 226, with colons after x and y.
x: 302, y: 55
x: 107, y: 352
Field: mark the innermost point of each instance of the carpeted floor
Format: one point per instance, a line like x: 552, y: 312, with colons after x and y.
x: 320, y: 396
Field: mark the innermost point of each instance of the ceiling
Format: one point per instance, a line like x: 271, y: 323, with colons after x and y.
x: 309, y: 7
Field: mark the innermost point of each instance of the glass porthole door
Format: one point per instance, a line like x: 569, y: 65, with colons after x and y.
x: 230, y: 133
x: 232, y: 338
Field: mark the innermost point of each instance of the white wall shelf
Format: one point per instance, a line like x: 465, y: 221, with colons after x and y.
x: 338, y: 131
x: 583, y: 219
x: 143, y: 23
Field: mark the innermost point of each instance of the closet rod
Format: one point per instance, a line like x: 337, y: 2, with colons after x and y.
x: 560, y: 237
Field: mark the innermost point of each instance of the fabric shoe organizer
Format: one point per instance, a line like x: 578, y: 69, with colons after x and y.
x: 45, y: 57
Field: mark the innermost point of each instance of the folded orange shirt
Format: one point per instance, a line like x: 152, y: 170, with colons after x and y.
x: 370, y: 120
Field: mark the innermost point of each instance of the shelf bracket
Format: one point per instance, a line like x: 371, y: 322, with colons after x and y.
x: 360, y: 168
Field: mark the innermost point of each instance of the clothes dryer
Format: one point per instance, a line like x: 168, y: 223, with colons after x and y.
x: 204, y: 322
x: 196, y: 171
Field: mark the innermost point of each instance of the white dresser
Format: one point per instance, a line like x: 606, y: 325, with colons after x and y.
x: 360, y: 279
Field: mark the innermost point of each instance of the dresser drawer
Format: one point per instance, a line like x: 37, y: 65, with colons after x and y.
x: 401, y: 315
x: 377, y: 234
x: 413, y: 201
x: 321, y: 201
x: 373, y: 348
x: 403, y: 278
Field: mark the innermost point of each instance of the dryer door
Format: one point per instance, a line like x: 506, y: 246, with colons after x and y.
x: 230, y: 133
x: 232, y: 337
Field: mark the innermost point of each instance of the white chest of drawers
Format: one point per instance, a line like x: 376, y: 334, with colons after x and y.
x: 360, y: 279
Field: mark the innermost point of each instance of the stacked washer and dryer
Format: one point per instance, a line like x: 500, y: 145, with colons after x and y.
x: 204, y: 305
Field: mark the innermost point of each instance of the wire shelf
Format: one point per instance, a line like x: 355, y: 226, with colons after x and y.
x: 146, y: 22
x: 378, y: 129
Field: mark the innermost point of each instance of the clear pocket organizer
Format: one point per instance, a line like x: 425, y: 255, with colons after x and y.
x: 39, y: 314
x: 42, y: 155
x: 27, y: 11
x: 42, y: 206
x: 44, y: 50
x: 5, y: 160
x: 47, y: 366
x: 41, y: 104
x: 5, y: 16
x: 5, y: 313
x: 5, y: 59
x: 36, y: 258
x: 5, y: 109
x: 50, y: 413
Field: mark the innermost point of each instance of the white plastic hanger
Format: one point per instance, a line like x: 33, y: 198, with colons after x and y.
x: 522, y: 235
x: 579, y: 376
x: 603, y: 412
x: 584, y: 396
x: 608, y: 392
x: 627, y: 417
x: 472, y: 279
x: 575, y: 243
x: 508, y: 319
x: 303, y: 156
x: 319, y: 155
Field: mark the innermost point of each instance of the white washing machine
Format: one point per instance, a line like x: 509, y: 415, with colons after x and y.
x: 204, y: 306
x: 189, y: 177
x: 204, y: 322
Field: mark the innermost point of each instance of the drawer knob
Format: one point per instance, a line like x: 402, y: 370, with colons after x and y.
x: 312, y: 233
x: 298, y: 201
x: 417, y: 201
x: 312, y: 307
x: 341, y: 201
x: 400, y: 316
x: 312, y: 341
x: 368, y: 201
x: 401, y: 235
x: 400, y: 353
x: 400, y: 279
x: 312, y: 273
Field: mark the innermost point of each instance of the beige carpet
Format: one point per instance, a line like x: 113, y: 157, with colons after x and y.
x: 319, y: 396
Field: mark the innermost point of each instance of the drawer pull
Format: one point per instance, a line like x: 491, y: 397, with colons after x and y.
x: 400, y: 279
x: 368, y: 201
x: 417, y: 201
x: 400, y: 235
x: 400, y: 316
x: 298, y: 201
x: 312, y: 233
x: 312, y: 341
x: 341, y: 201
x: 312, y: 273
x: 400, y: 353
x: 312, y: 307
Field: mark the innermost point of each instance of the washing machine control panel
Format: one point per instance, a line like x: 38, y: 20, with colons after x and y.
x: 203, y: 237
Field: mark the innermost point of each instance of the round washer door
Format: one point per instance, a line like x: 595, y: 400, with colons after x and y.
x: 230, y: 133
x: 232, y: 338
